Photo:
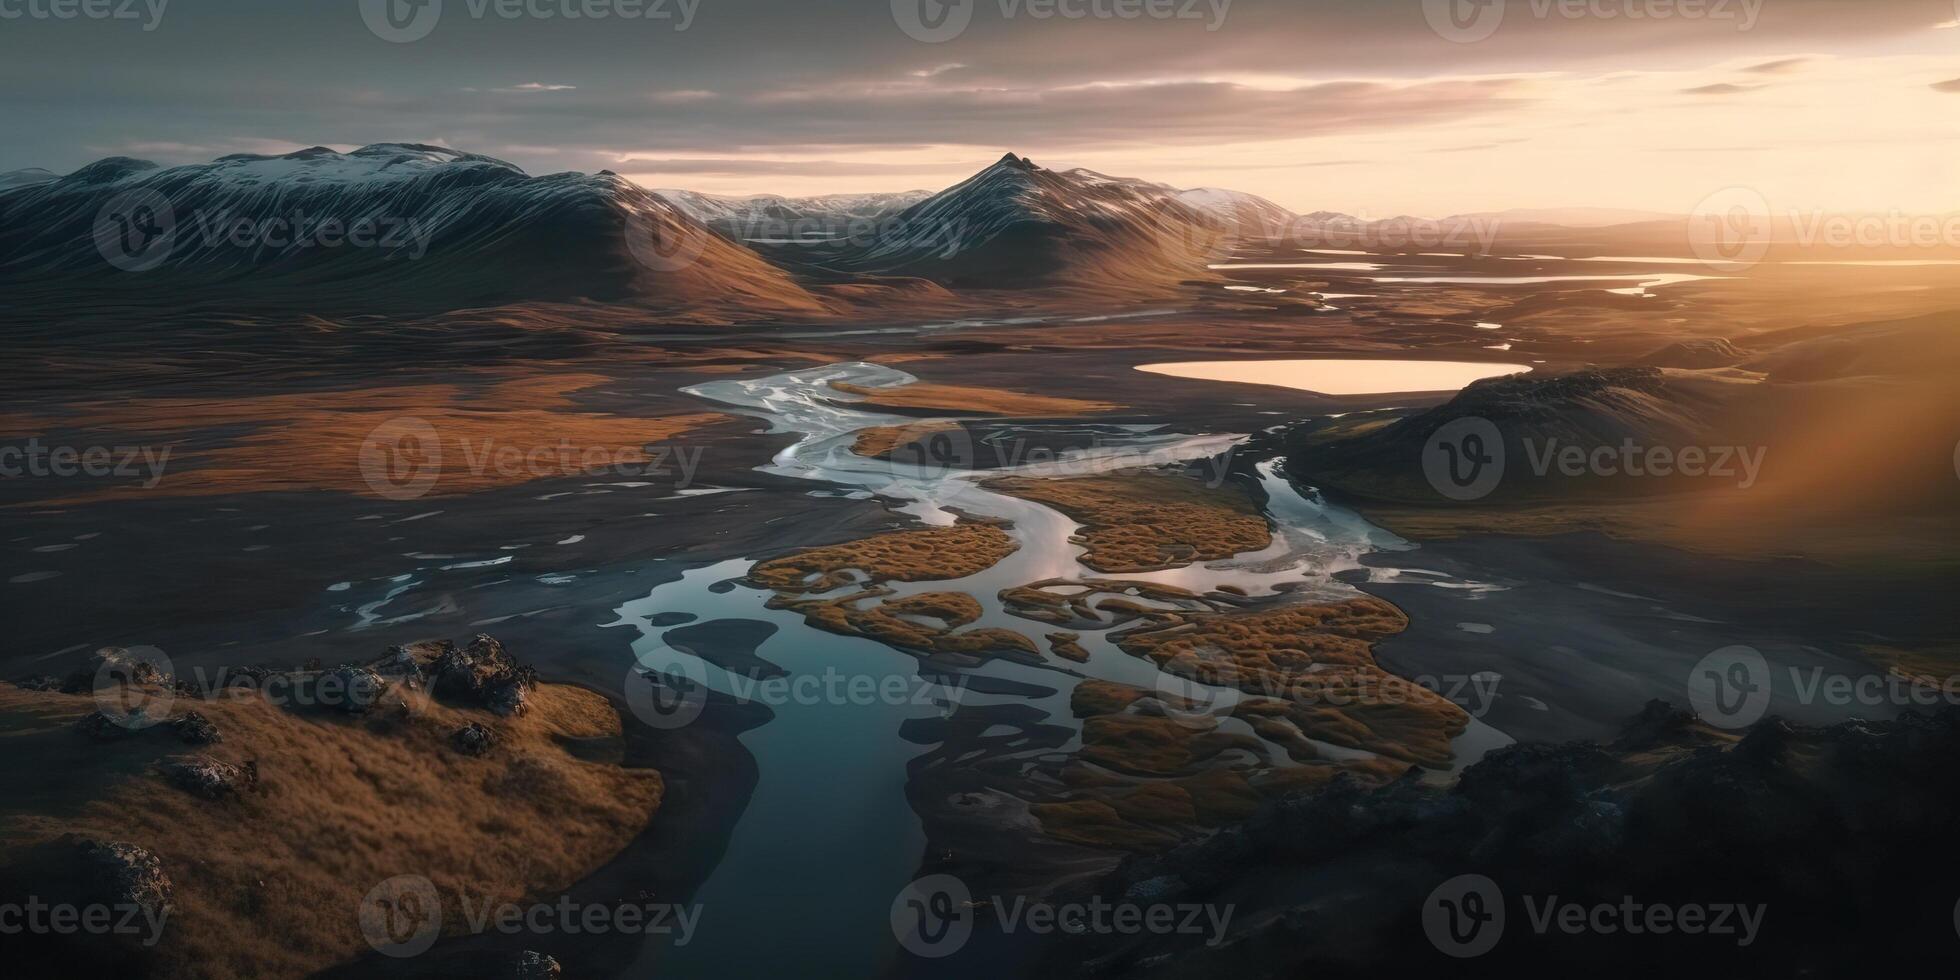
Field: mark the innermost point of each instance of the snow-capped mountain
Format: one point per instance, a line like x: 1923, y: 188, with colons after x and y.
x: 398, y: 228
x: 385, y: 227
x: 1254, y: 216
x: 1017, y: 224
x: 25, y: 178
x: 769, y: 217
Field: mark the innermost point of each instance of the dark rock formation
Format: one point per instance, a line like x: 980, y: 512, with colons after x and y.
x: 473, y: 739
x: 212, y: 779
x: 1841, y: 834
x: 196, y: 729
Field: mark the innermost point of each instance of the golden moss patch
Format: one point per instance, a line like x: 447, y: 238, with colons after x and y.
x: 883, y: 441
x: 1319, y: 659
x: 270, y: 883
x: 1068, y: 647
x: 1140, y: 522
x: 900, y: 556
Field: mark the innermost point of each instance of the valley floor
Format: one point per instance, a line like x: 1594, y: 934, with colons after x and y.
x: 572, y: 475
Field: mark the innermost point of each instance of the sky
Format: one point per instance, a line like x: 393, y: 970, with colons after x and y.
x: 1371, y: 107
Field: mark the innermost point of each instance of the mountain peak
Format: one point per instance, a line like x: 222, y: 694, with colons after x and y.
x: 1018, y: 163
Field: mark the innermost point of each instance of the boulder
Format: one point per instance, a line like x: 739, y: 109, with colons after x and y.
x: 210, y: 778
x: 354, y: 690
x: 104, y: 728
x: 117, y: 873
x: 473, y: 739
x: 509, y: 699
x: 107, y: 663
x: 196, y: 729
x: 532, y: 965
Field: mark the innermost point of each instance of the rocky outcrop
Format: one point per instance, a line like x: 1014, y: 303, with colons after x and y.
x: 212, y: 779
x: 110, y: 664
x: 533, y: 965
x: 353, y: 690
x: 473, y: 739
x: 101, y: 727
x: 1842, y: 833
x: 195, y: 729
x: 484, y: 673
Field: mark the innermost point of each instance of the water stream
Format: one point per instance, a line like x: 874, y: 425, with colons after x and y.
x: 829, y: 838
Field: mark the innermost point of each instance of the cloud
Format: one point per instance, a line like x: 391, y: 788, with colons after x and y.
x: 537, y: 87
x: 641, y: 163
x: 1720, y: 88
x: 1950, y: 85
x: 1782, y: 66
x: 936, y: 71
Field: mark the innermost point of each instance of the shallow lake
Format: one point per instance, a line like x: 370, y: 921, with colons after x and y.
x: 1349, y: 376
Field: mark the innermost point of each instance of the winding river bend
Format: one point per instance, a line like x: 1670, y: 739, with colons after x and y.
x: 829, y: 838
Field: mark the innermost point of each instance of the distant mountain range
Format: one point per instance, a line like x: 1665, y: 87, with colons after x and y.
x: 1019, y: 225
x: 387, y: 228
x: 770, y: 218
x: 409, y: 228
